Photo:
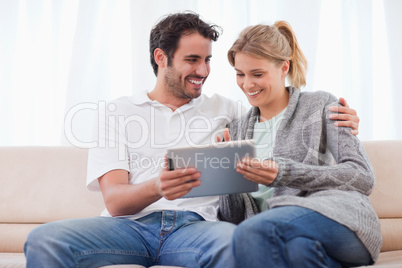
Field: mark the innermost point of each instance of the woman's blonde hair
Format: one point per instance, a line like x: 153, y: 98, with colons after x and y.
x: 276, y: 43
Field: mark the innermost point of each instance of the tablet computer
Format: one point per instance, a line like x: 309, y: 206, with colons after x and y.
x: 217, y: 165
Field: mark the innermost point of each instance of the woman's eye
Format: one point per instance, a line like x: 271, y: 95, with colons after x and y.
x: 240, y: 74
x: 257, y: 75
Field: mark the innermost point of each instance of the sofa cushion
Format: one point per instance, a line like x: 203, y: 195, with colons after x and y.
x: 390, y: 259
x: 385, y: 157
x: 12, y: 260
x: 391, y: 231
x: 42, y: 184
x: 386, y: 198
x: 15, y: 235
x: 49, y: 180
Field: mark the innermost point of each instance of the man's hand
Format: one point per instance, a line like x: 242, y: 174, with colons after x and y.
x: 347, y: 116
x: 173, y: 184
x: 122, y: 198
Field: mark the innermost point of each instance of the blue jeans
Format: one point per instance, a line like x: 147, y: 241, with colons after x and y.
x: 292, y: 236
x: 176, y: 238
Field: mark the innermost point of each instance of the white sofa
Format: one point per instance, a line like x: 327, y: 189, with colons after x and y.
x: 43, y: 184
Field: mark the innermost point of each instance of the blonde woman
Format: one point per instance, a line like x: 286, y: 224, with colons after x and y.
x: 314, y: 177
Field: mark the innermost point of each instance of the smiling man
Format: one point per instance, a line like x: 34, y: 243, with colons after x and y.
x: 181, y: 77
x: 145, y: 221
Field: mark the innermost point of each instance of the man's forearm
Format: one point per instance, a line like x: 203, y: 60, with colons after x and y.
x: 122, y: 198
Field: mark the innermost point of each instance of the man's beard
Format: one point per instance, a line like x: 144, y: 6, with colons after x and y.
x: 176, y: 87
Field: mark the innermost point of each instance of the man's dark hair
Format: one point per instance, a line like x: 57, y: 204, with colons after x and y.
x: 168, y: 31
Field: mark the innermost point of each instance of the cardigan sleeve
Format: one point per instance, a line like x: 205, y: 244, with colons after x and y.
x: 350, y: 171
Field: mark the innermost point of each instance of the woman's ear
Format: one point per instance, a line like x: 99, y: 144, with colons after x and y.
x: 285, y: 68
x: 160, y: 57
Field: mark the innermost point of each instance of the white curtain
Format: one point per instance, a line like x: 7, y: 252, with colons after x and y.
x: 61, y: 60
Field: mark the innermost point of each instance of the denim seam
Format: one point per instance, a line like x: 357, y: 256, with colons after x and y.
x: 110, y: 251
x: 163, y: 233
x: 318, y: 247
x: 182, y: 250
x: 272, y: 237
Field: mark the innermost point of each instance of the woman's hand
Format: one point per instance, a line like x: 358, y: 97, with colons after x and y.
x: 226, y: 136
x: 264, y: 172
x: 347, y: 116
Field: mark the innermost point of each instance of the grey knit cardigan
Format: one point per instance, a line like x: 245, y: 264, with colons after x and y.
x: 321, y: 167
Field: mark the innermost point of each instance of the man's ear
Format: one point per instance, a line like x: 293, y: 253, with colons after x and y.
x: 160, y: 57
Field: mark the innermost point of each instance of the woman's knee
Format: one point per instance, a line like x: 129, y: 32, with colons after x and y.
x: 258, y: 224
x: 305, y: 252
x: 255, y: 231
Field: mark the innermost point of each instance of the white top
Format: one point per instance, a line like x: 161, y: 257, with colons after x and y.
x: 264, y: 135
x: 135, y: 133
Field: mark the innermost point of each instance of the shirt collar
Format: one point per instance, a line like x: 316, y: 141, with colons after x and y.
x: 142, y: 98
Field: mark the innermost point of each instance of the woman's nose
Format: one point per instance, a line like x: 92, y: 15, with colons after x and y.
x: 248, y: 83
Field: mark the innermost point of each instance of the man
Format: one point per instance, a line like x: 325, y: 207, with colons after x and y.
x: 151, y: 224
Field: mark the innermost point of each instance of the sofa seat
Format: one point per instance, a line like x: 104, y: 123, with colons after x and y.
x: 390, y: 259
x: 44, y: 184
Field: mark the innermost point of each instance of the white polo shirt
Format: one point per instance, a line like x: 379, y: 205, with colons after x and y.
x: 135, y: 132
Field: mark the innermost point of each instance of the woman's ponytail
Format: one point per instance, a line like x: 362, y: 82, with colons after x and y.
x: 298, y: 62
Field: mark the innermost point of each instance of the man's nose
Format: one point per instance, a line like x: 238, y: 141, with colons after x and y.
x: 203, y: 69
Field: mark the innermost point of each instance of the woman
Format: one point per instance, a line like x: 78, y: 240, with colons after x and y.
x: 314, y: 177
